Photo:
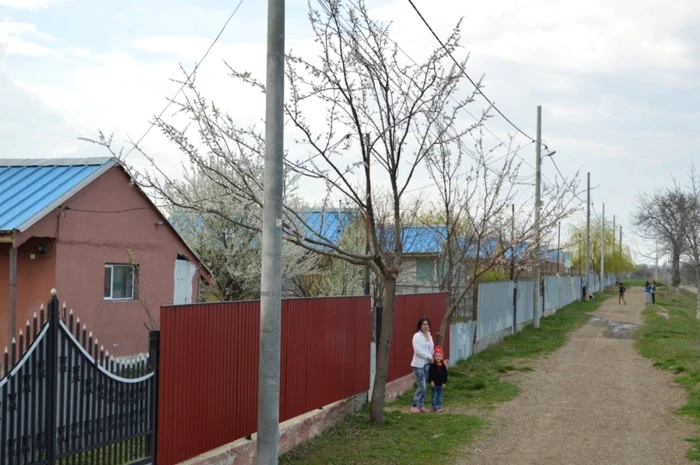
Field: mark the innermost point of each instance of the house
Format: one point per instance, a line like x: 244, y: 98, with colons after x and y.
x: 83, y: 227
x: 422, y: 245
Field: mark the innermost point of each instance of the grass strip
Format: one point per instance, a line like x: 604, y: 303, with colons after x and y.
x: 673, y: 344
x: 480, y: 382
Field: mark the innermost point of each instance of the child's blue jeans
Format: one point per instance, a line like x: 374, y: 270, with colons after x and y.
x: 437, y: 397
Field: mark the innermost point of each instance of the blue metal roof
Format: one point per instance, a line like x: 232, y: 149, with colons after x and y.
x: 30, y: 188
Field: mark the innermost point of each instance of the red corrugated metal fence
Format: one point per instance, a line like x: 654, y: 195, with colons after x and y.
x: 408, y: 309
x: 208, y: 385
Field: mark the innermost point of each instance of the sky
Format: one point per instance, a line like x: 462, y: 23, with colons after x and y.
x: 618, y: 81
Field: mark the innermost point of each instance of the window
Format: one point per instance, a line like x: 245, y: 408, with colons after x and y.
x: 120, y: 282
x: 425, y: 270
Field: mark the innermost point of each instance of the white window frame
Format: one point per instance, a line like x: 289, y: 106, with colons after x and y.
x: 134, y: 276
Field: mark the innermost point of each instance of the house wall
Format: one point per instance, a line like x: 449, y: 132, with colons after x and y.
x: 90, y: 238
x: 35, y: 279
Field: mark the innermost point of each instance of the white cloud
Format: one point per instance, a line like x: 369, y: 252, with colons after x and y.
x: 12, y: 38
x: 28, y: 4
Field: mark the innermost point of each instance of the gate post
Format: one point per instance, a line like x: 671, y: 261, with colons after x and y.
x: 51, y: 375
x: 154, y: 358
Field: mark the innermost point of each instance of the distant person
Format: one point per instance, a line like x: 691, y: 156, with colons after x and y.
x: 647, y: 292
x: 422, y: 357
x: 653, y: 292
x: 438, y: 378
x: 621, y: 297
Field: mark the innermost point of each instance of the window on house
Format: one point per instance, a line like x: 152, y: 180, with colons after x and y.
x: 425, y: 270
x: 120, y: 282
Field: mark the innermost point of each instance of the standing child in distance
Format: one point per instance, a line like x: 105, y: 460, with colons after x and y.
x: 621, y: 298
x: 438, y: 378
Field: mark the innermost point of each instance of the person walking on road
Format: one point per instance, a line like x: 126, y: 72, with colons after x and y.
x: 422, y: 357
x: 653, y: 292
x: 647, y: 292
x: 621, y: 297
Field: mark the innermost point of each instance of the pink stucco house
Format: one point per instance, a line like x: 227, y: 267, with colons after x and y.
x: 82, y: 227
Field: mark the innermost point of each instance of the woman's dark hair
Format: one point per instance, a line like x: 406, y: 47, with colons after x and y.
x: 421, y: 321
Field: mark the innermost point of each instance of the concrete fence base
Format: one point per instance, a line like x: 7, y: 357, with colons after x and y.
x: 297, y: 430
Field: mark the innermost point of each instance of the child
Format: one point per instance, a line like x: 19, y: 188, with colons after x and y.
x: 621, y: 298
x: 438, y: 378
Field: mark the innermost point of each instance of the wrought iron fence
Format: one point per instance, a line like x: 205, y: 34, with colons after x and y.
x: 64, y: 400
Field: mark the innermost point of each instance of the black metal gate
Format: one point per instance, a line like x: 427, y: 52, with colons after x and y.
x: 63, y: 400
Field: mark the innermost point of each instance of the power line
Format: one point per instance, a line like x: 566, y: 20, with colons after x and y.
x: 398, y: 47
x: 459, y: 65
x: 187, y: 81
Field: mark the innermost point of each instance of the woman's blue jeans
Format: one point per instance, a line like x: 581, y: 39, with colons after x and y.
x: 421, y: 375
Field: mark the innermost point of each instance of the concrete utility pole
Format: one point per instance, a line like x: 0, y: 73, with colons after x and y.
x: 538, y: 257
x: 620, y: 241
x: 271, y: 279
x: 558, y: 245
x: 367, y: 228
x: 656, y: 264
x: 512, y: 242
x: 613, y: 241
x: 587, y: 295
x: 602, y: 251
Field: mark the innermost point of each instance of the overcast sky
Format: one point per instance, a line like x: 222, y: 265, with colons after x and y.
x: 618, y: 81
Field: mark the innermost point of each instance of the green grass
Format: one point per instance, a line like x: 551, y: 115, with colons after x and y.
x: 640, y: 283
x: 674, y: 345
x: 475, y: 384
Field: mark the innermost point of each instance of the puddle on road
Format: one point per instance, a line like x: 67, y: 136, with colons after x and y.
x: 614, y: 329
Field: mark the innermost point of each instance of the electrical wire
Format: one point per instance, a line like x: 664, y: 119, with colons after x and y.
x: 398, y: 47
x: 187, y: 81
x: 459, y: 65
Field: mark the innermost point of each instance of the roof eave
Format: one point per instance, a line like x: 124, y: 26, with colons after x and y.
x: 108, y: 163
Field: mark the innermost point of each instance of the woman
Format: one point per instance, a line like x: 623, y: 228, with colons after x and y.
x: 653, y: 292
x: 647, y: 292
x: 422, y: 357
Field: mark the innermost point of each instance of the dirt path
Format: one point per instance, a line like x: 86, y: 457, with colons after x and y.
x: 594, y: 401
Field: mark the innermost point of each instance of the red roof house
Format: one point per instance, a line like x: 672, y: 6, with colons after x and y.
x: 82, y: 227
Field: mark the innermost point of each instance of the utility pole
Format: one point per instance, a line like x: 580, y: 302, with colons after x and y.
x: 271, y: 279
x: 512, y: 242
x: 587, y: 295
x: 580, y: 254
x: 656, y: 265
x: 613, y: 241
x: 558, y: 245
x: 602, y: 251
x: 367, y: 228
x: 538, y: 257
x: 620, y: 242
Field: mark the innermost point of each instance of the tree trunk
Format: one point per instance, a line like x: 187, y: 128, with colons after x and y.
x: 376, y: 406
x: 447, y: 319
x: 697, y: 290
x: 676, y: 264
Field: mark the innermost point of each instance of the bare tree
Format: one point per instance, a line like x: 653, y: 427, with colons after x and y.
x: 662, y: 217
x: 476, y: 192
x: 692, y: 231
x: 356, y: 92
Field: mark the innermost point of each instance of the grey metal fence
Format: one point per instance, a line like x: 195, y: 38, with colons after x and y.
x: 506, y: 307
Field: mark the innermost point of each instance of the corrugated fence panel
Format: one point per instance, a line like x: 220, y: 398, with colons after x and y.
x: 208, y: 386
x: 524, y: 302
x: 551, y: 293
x: 325, y: 352
x: 407, y: 311
x: 208, y: 381
x: 495, y: 308
x: 461, y: 340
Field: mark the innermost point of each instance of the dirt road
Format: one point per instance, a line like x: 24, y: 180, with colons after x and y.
x: 594, y: 401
